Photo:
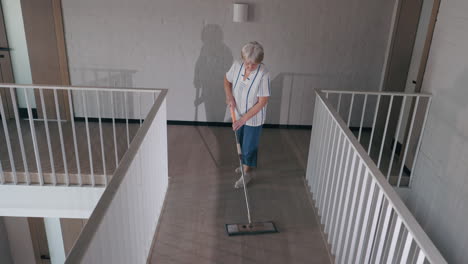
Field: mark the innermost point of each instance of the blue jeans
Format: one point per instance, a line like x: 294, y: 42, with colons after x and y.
x: 249, y: 137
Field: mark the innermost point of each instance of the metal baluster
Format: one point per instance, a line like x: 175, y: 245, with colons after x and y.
x: 339, y: 212
x: 141, y: 112
x: 334, y: 183
x: 339, y: 103
x: 98, y: 100
x: 62, y: 145
x: 373, y: 229
x: 350, y: 110
x: 2, y: 176
x: 365, y: 223
x: 407, y: 248
x: 34, y: 138
x: 113, y: 130
x: 80, y: 179
x: 397, y: 133
x: 49, y: 145
x: 343, y: 217
x: 329, y: 165
x: 373, y: 124
x: 359, y: 176
x: 408, y: 141
x: 385, y: 131
x: 338, y: 191
x: 383, y: 235
x: 8, y: 142
x: 90, y: 152
x: 362, y: 117
x: 366, y: 180
x: 421, y: 257
x: 20, y: 136
x: 393, y: 243
x: 126, y: 117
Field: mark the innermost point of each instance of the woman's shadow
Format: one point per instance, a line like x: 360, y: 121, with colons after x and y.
x: 214, y: 61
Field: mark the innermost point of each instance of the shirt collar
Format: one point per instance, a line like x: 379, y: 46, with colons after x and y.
x: 252, y: 73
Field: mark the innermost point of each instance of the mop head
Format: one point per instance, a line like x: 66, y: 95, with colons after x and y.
x: 251, y: 229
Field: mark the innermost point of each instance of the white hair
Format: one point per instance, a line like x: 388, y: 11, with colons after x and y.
x: 252, y: 51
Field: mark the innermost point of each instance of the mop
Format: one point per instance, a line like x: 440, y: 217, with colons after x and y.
x: 250, y: 228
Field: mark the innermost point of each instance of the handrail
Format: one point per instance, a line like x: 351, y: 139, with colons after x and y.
x: 90, y: 228
x: 395, y: 202
x: 84, y: 88
x: 376, y: 93
x: 402, y: 120
x: 32, y: 131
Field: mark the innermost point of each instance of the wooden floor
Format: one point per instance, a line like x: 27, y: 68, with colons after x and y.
x: 201, y: 200
x: 83, y: 151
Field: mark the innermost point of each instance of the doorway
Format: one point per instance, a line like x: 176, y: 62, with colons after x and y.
x: 6, y: 70
x: 35, y: 32
x: 414, y: 23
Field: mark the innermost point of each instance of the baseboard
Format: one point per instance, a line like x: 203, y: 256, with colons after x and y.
x: 23, y: 113
x: 228, y: 124
x: 108, y: 120
x: 365, y: 129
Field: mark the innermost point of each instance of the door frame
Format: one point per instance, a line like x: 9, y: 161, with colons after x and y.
x: 427, y: 45
x: 45, y: 39
x: 6, y: 72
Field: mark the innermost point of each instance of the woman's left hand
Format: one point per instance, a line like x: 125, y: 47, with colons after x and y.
x: 238, y: 124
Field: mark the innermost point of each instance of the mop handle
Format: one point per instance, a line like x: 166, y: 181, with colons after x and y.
x: 239, y: 151
x: 233, y: 116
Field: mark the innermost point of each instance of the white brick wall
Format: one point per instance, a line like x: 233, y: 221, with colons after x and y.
x: 439, y: 197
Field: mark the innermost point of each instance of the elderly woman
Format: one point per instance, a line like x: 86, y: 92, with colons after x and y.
x: 247, y: 86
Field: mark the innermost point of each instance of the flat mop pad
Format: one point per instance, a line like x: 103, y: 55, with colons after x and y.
x: 251, y: 229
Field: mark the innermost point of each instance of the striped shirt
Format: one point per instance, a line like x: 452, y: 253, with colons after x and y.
x: 246, y: 92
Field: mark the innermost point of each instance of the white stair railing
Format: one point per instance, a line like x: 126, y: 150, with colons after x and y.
x: 123, y: 224
x: 365, y: 220
x: 71, y: 136
x: 389, y: 125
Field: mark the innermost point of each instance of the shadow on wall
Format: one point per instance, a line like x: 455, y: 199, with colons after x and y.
x: 133, y: 106
x: 214, y: 61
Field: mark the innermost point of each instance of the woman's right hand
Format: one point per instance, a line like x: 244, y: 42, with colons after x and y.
x: 231, y: 102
